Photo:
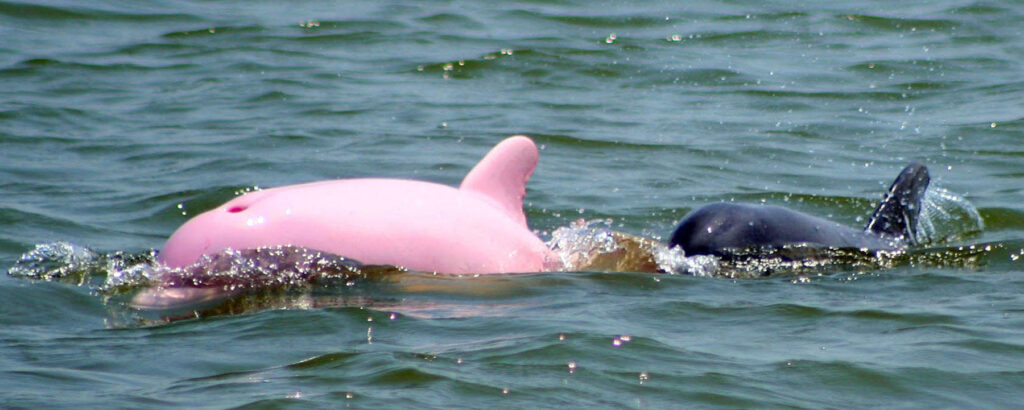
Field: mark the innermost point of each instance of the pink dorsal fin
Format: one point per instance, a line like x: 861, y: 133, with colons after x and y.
x: 503, y: 173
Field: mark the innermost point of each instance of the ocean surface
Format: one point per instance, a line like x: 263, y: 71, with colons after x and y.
x: 120, y: 120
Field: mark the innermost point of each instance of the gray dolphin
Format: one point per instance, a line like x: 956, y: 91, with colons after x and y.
x: 728, y: 229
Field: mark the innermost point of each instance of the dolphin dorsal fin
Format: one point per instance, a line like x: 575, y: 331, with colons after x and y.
x: 502, y: 174
x: 899, y: 210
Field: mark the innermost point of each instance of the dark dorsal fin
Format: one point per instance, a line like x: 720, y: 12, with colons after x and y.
x: 897, y: 214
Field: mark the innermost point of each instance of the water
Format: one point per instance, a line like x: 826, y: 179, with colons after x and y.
x: 119, y: 121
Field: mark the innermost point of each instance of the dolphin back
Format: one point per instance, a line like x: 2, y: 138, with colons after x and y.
x: 897, y: 215
x: 722, y: 229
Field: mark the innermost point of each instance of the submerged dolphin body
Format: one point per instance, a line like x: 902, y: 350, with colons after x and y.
x: 478, y: 228
x: 727, y: 229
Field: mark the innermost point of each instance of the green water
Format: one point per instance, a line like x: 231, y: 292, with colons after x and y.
x: 118, y: 121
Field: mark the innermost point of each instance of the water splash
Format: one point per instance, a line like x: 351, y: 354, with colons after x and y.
x: 674, y: 260
x: 70, y: 263
x: 579, y: 243
x: 593, y: 245
x: 945, y: 217
x: 258, y: 268
x: 53, y: 261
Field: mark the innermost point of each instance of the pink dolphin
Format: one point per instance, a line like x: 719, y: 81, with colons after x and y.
x: 478, y: 228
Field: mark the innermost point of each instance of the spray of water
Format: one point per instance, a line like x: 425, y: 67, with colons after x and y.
x: 580, y: 242
x: 945, y: 217
x: 593, y: 245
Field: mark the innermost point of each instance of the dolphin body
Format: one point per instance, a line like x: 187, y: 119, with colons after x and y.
x: 731, y: 230
x: 479, y: 227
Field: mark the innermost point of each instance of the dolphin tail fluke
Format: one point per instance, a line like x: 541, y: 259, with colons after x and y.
x: 898, y: 212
